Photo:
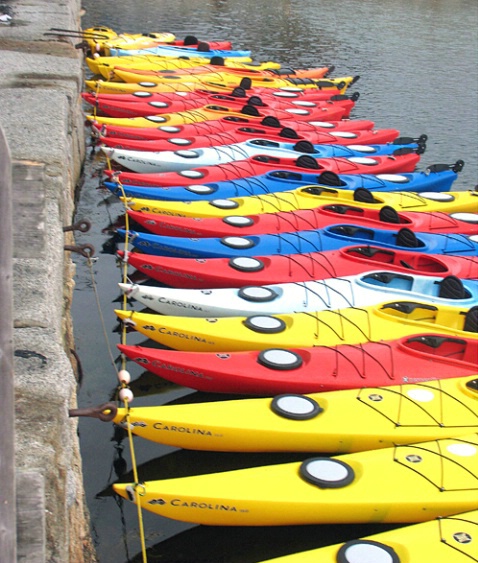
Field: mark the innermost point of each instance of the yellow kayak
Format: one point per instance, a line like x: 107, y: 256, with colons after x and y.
x: 309, y: 197
x: 343, y: 421
x: 217, y: 85
x: 451, y: 539
x: 221, y: 73
x: 403, y: 484
x: 101, y: 38
x: 105, y: 65
x: 389, y: 320
x: 205, y: 113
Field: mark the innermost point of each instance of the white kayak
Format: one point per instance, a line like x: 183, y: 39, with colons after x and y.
x: 146, y: 162
x: 360, y: 290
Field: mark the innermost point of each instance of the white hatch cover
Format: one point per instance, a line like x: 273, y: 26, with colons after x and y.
x: 327, y: 473
x: 245, y: 264
x: 258, y: 294
x: 170, y: 129
x: 200, y: 189
x: 237, y: 242
x: 366, y: 551
x: 179, y: 141
x: 238, y: 221
x: 437, y: 196
x: 466, y: 217
x: 156, y: 118
x: 158, y: 104
x: 191, y: 173
x: 295, y: 407
x: 363, y: 160
x: 224, y: 203
x: 396, y: 178
x: 280, y: 359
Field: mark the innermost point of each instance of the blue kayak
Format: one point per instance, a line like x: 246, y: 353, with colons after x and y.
x: 320, y: 240
x: 174, y: 51
x: 436, y: 178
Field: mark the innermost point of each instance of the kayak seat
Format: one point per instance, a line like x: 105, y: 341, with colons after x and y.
x: 190, y: 40
x: 288, y: 133
x: 238, y: 92
x: 407, y: 238
x: 250, y: 110
x: 271, y: 121
x: 389, y: 215
x: 330, y: 178
x: 364, y: 195
x: 306, y: 161
x: 255, y: 101
x: 471, y: 320
x: 217, y: 61
x: 304, y: 146
x: 246, y: 83
x: 452, y: 287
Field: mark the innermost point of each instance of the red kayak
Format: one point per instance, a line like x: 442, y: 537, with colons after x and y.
x: 306, y: 219
x: 402, y: 160
x: 240, y: 134
x: 329, y: 125
x: 122, y: 108
x: 200, y: 273
x: 412, y: 359
x: 202, y: 96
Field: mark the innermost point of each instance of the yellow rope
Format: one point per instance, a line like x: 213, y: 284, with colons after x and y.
x: 123, y: 366
x: 123, y: 361
x: 136, y: 485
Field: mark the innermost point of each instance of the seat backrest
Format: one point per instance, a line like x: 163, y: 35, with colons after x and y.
x: 452, y: 287
x: 471, y: 320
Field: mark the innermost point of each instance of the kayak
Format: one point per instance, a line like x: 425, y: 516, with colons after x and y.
x: 219, y: 85
x: 240, y: 133
x: 202, y: 49
x: 269, y: 124
x: 273, y: 371
x: 310, y: 197
x: 435, y: 178
x: 448, y: 538
x: 156, y: 101
x: 134, y: 74
x: 97, y: 36
x: 151, y: 40
x: 302, y: 220
x: 402, y: 160
x: 331, y: 237
x: 423, y: 481
x: 394, y: 319
x: 103, y: 65
x: 112, y: 105
x: 344, y: 421
x: 359, y: 290
x: 326, y: 110
x: 261, y: 270
x: 187, y: 159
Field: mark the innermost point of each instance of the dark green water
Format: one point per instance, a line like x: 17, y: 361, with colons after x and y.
x: 419, y: 74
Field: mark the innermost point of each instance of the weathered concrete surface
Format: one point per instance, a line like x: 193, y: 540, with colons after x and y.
x: 40, y: 84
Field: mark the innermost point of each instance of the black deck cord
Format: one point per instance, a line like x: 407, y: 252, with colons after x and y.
x: 343, y: 318
x: 283, y: 217
x: 339, y: 351
x: 324, y: 284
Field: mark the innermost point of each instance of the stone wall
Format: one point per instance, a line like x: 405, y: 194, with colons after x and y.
x: 41, y: 79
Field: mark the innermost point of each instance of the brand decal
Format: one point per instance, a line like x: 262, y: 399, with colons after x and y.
x: 181, y: 429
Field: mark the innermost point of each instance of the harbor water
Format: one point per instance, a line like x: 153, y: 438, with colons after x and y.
x: 418, y: 69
